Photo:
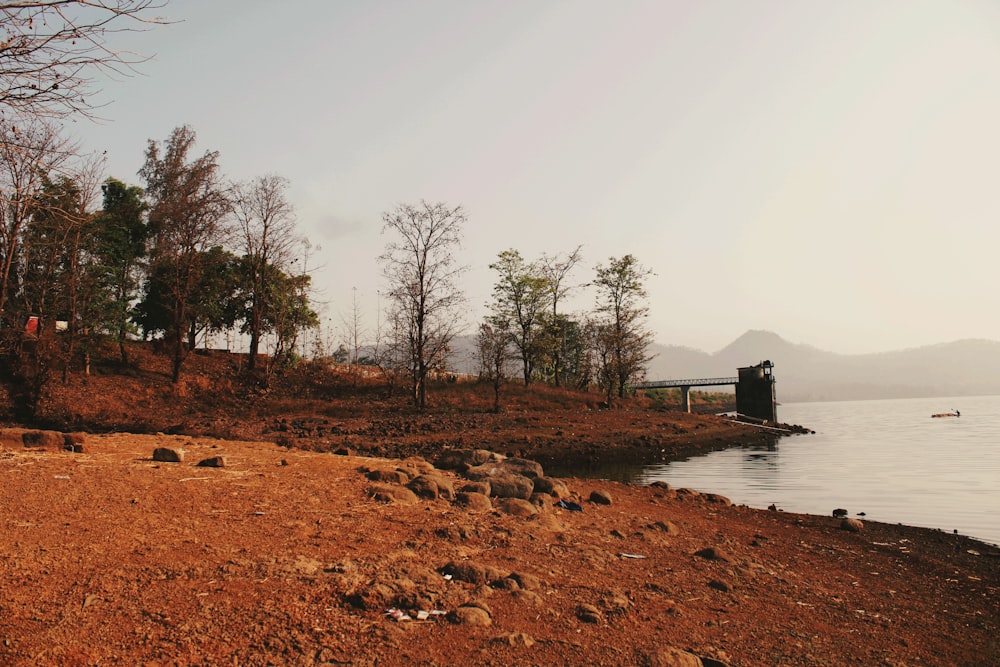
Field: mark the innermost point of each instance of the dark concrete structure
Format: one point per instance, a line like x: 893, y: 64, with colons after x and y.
x: 755, y: 396
x: 755, y: 392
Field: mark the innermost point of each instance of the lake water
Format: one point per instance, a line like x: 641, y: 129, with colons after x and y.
x: 888, y: 459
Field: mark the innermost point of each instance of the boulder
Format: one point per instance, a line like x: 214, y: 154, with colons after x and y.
x: 393, y: 494
x: 507, y: 485
x: 43, y: 439
x: 388, y: 476
x: 518, y: 507
x: 168, y: 455
x: 474, y: 502
x: 431, y: 487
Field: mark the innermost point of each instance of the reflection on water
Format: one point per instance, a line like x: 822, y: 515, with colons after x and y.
x: 889, y: 459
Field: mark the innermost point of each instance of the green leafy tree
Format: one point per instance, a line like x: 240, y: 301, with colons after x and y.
x: 521, y: 296
x: 121, y: 246
x: 621, y: 337
x: 187, y: 217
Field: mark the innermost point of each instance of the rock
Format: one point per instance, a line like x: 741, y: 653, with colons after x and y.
x: 852, y: 525
x: 668, y: 527
x: 589, y: 613
x: 716, y: 498
x: 469, y: 616
x: 528, y: 597
x: 344, y: 451
x: 527, y: 581
x: 669, y: 656
x: 660, y: 484
x: 553, y: 487
x: 459, y: 459
x: 213, y: 462
x: 540, y: 500
x: 839, y: 513
x: 524, y: 467
x: 43, y: 439
x: 431, y: 487
x: 474, y: 502
x: 515, y: 639
x: 518, y: 507
x: 600, y: 497
x: 482, y: 487
x: 506, y: 584
x: 720, y: 585
x: 471, y: 573
x: 714, y: 553
x: 73, y: 442
x: 168, y: 455
x: 393, y: 494
x: 388, y: 476
x: 506, y: 485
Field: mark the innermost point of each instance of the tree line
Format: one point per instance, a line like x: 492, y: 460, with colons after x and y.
x: 606, y: 347
x: 188, y: 253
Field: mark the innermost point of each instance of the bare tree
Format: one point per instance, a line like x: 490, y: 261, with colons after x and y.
x: 353, y: 331
x: 187, y: 212
x: 50, y: 51
x: 419, y: 265
x: 267, y: 238
x: 493, y: 352
x: 624, y: 339
x: 27, y: 156
x: 556, y: 270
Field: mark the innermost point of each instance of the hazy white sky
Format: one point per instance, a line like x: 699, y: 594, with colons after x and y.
x: 829, y: 171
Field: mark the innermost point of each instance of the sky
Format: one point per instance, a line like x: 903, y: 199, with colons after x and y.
x: 827, y: 171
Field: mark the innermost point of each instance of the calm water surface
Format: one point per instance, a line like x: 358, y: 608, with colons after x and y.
x: 888, y: 458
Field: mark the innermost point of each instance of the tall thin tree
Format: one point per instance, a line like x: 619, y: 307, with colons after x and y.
x: 422, y: 273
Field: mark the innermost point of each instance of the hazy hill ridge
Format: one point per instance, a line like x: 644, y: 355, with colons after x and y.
x: 805, y: 373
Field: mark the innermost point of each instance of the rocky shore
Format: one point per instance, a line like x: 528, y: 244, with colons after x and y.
x: 275, y: 555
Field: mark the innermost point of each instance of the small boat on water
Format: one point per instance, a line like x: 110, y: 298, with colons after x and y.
x: 953, y: 413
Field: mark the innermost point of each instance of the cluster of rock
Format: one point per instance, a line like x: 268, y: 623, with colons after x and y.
x: 175, y: 455
x: 487, y: 481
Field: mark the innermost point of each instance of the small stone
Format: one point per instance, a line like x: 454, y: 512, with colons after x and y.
x: 213, y: 462
x: 720, y: 585
x: 469, y: 616
x: 589, y: 613
x: 600, y: 497
x: 851, y: 525
x: 714, y: 553
x: 515, y: 639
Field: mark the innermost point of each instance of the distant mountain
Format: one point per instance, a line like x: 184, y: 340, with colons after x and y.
x: 806, y: 373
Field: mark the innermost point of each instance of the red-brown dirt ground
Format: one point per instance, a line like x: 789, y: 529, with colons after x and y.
x: 289, y: 554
